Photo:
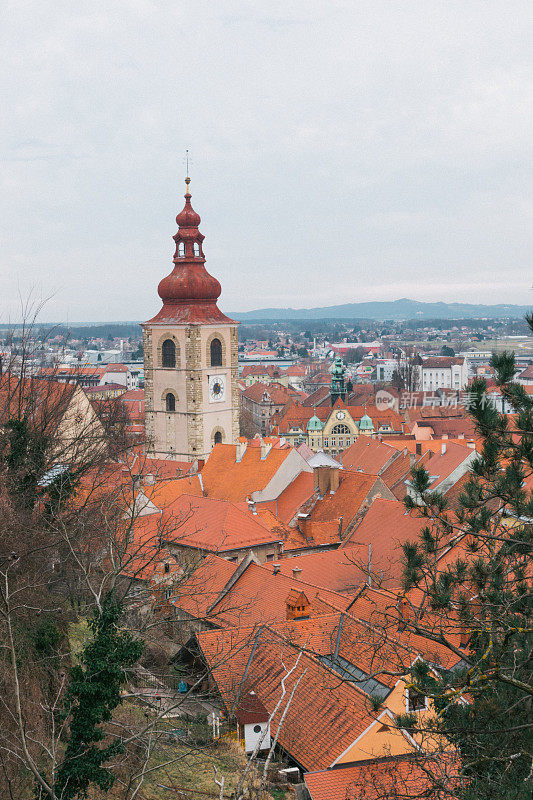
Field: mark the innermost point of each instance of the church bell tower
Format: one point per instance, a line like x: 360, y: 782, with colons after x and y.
x: 190, y: 356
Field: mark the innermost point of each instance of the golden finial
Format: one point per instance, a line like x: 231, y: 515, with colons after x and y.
x: 187, y: 181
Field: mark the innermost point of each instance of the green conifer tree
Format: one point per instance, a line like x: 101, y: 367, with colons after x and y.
x: 478, y: 598
x: 92, y: 695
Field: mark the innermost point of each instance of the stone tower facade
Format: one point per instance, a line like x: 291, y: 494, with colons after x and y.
x: 190, y: 356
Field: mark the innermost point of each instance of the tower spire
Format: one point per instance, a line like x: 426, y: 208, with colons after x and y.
x: 187, y: 177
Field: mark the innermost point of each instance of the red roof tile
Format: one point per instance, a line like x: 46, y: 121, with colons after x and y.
x: 290, y: 501
x: 226, y: 478
x: 376, y: 779
x: 334, y: 711
x: 331, y: 569
x: 367, y: 454
x: 258, y: 597
x: 384, y: 528
x: 213, y: 525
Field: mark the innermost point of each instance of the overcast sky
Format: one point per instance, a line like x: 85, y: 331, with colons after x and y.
x: 341, y: 151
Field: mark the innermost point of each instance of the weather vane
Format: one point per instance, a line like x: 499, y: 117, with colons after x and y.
x: 187, y: 179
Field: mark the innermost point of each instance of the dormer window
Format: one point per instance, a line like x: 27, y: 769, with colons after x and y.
x: 181, y: 249
x: 196, y: 249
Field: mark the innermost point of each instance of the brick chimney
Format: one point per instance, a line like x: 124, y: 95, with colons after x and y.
x: 418, y: 448
x: 327, y: 479
x: 302, y: 523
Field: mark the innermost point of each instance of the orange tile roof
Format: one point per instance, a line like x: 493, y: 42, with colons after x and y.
x: 325, y: 715
x: 213, y: 525
x: 375, y: 779
x: 396, y: 473
x: 290, y: 500
x: 39, y: 400
x: 441, y: 465
x: 270, y: 392
x: 258, y: 597
x: 227, y: 650
x: 434, y: 445
x: 373, y: 639
x: 331, y: 569
x: 385, y: 527
x: 346, y: 501
x: 203, y: 586
x: 367, y: 454
x: 165, y: 492
x: 298, y: 415
x: 226, y: 478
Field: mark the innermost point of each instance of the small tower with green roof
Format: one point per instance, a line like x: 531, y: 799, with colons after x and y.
x: 338, y: 388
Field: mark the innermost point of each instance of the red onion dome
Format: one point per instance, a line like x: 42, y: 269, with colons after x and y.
x: 189, y: 293
x: 190, y: 284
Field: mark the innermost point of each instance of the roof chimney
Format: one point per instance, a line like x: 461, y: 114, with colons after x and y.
x: 296, y: 572
x: 266, y: 447
x: 251, y: 506
x: 443, y: 448
x: 418, y: 448
x: 242, y: 444
x: 277, y: 568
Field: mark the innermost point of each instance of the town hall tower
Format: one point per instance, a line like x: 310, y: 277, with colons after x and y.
x: 190, y: 356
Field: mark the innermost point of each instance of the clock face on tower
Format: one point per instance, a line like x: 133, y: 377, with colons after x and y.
x: 340, y: 415
x: 217, y: 388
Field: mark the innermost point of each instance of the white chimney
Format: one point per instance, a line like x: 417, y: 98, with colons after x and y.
x: 443, y: 448
x: 242, y: 444
x: 265, y: 449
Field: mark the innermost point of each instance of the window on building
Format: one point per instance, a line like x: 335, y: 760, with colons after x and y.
x: 415, y: 701
x: 216, y: 353
x: 170, y: 402
x: 167, y: 567
x: 257, y: 728
x: 168, y: 353
x: 217, y: 439
x: 181, y: 249
x: 340, y: 429
x: 168, y: 594
x: 196, y: 249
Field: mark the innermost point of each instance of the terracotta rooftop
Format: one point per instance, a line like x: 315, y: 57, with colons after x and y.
x: 441, y: 362
x: 258, y: 597
x: 367, y: 454
x: 205, y: 523
x: 331, y: 569
x: 226, y: 478
x: 385, y: 527
x: 269, y: 392
x: 290, y: 501
x: 334, y: 711
x: 347, y: 501
x: 375, y: 779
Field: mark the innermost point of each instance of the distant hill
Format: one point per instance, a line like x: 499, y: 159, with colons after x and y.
x: 380, y: 310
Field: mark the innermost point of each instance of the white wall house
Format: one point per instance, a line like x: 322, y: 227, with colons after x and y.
x: 385, y: 369
x: 443, y: 372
